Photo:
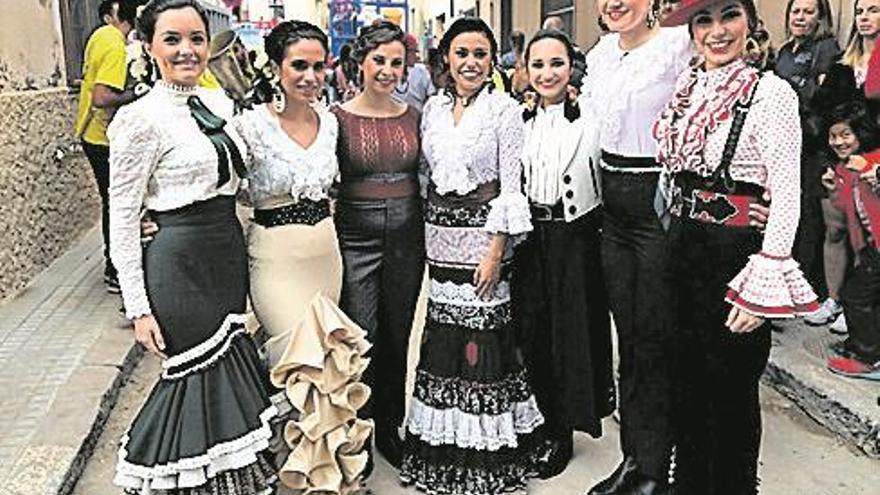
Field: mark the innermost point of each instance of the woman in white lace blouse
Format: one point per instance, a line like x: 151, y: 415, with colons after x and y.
x: 472, y: 411
x: 205, y: 427
x: 729, y: 134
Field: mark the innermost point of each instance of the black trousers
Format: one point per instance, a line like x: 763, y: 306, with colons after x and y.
x: 860, y: 297
x: 634, y: 258
x: 809, y: 243
x: 383, y: 256
x: 717, y: 409
x: 99, y: 158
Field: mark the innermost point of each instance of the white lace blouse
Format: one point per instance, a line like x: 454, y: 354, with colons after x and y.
x: 280, y: 171
x: 159, y: 160
x: 625, y: 90
x: 692, y: 132
x: 485, y: 146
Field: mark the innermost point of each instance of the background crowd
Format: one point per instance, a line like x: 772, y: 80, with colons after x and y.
x: 680, y: 176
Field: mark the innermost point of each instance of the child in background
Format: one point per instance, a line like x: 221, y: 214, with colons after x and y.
x: 851, y: 132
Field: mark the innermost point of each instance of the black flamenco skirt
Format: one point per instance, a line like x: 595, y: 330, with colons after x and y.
x: 204, y: 428
x: 561, y: 307
x: 473, y: 417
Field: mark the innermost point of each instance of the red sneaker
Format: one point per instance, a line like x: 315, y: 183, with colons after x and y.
x: 853, y: 368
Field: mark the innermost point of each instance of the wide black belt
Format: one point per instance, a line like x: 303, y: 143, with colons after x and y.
x: 547, y: 213
x: 306, y: 212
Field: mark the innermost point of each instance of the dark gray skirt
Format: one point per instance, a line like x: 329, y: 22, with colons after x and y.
x: 205, y: 426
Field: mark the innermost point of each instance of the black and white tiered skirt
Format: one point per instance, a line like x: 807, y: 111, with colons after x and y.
x: 205, y: 426
x: 472, y: 422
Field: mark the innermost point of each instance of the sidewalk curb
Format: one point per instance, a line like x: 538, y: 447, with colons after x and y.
x: 855, y: 428
x: 105, y: 409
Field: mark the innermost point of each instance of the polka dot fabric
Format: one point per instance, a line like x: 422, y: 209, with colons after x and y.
x: 768, y: 154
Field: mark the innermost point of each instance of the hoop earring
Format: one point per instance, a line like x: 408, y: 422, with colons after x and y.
x: 279, y: 100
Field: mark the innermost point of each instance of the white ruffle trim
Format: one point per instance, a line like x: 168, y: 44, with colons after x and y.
x: 466, y: 294
x: 212, y: 342
x: 509, y: 213
x: 195, y: 471
x: 473, y: 431
x: 772, y: 288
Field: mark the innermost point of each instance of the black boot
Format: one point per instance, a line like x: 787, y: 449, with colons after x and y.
x: 626, y: 473
x: 557, y: 458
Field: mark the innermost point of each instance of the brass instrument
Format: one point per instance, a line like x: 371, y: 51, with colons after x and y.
x: 233, y: 66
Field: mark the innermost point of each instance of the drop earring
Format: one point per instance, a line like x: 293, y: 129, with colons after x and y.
x: 279, y: 101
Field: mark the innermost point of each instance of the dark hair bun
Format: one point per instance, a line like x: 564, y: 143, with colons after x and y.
x: 146, y: 23
x: 374, y: 36
x: 288, y: 33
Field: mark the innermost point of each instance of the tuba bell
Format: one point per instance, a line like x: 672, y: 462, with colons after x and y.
x: 233, y: 66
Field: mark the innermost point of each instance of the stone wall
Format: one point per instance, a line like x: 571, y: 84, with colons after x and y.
x: 47, y: 195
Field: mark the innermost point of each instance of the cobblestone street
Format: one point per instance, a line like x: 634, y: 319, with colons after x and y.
x: 65, y: 352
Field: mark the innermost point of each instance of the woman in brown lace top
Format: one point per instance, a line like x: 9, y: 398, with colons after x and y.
x: 379, y: 222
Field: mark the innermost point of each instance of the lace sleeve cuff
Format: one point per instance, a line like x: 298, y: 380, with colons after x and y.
x: 772, y: 287
x: 136, y: 305
x: 509, y: 214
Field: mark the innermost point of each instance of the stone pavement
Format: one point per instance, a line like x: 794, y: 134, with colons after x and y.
x: 63, y: 350
x: 847, y: 407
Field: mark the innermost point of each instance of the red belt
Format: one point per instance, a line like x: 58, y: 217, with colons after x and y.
x: 731, y: 210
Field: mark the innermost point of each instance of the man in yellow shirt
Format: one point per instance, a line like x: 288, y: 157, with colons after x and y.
x: 101, y: 93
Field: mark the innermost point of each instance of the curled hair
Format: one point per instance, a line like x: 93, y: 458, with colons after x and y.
x: 146, y: 23
x: 572, y: 110
x: 855, y: 114
x: 289, y: 32
x: 463, y: 25
x: 375, y: 35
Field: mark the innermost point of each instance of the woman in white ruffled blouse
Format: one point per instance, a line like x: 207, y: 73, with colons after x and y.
x: 630, y: 75
x: 729, y: 134
x: 314, y: 351
x: 472, y: 410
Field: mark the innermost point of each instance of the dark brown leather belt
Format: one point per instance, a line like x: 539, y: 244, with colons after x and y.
x: 377, y: 189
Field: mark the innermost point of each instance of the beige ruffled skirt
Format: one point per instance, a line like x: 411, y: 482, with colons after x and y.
x: 316, y: 357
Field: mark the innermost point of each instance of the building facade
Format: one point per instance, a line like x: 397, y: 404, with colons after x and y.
x: 48, y: 198
x: 581, y: 17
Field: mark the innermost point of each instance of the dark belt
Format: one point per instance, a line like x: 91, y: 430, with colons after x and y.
x: 377, y: 189
x: 698, y: 200
x: 547, y: 213
x: 481, y: 195
x: 624, y: 163
x: 305, y: 212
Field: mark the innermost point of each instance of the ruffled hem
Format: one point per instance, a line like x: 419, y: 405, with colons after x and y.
x: 772, y: 287
x: 473, y: 431
x: 195, y: 471
x: 217, y: 345
x: 320, y: 372
x: 258, y: 478
x: 509, y: 213
x: 449, y: 470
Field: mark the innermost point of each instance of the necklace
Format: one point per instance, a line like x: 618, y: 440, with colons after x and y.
x: 466, y: 101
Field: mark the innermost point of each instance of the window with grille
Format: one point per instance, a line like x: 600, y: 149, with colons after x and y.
x: 78, y: 19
